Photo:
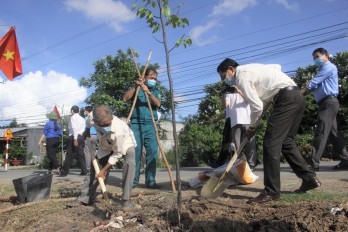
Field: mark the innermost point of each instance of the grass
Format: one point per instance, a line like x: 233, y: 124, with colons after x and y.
x: 312, y: 197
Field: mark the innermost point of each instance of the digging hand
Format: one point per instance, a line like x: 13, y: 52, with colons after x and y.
x: 250, y: 132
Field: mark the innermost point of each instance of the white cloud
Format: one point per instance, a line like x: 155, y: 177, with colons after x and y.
x: 230, y: 7
x: 198, y: 32
x: 289, y: 6
x: 102, y: 10
x: 35, y: 94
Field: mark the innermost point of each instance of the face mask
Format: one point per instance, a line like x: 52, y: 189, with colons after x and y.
x: 230, y: 81
x: 104, y: 130
x: 151, y: 83
x: 318, y: 62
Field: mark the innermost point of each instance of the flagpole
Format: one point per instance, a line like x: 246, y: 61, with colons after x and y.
x: 62, y: 122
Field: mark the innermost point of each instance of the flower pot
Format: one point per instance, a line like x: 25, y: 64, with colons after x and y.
x: 16, y: 162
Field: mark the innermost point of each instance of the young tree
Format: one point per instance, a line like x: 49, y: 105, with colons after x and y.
x: 161, y: 22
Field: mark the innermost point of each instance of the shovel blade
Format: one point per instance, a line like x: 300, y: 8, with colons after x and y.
x: 214, y: 187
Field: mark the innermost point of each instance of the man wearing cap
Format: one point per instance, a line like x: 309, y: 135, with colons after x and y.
x: 325, y: 88
x: 76, y: 143
x: 261, y: 84
x: 51, y: 133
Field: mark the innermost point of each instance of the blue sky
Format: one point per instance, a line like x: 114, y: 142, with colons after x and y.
x: 60, y: 40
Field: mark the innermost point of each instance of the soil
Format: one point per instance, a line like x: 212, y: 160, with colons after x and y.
x: 158, y: 212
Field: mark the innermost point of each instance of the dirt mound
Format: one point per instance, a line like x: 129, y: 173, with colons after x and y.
x: 158, y: 213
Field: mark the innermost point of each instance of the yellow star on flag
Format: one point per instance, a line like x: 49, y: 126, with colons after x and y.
x: 8, y: 55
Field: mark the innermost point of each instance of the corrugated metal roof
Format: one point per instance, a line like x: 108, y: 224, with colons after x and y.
x: 14, y: 130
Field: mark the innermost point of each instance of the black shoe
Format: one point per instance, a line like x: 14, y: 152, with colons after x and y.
x: 340, y: 167
x: 154, y: 186
x: 75, y: 204
x: 308, y: 185
x: 83, y: 174
x: 62, y: 174
x: 312, y: 168
x: 263, y: 198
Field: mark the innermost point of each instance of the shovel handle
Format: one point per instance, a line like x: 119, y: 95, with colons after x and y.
x: 100, y: 180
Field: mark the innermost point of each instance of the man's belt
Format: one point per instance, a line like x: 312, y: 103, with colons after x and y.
x: 283, y: 90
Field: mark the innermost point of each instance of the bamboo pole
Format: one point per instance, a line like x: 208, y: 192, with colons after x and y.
x: 155, y: 126
x: 141, y: 77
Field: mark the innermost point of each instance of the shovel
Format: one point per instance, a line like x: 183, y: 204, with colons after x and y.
x: 217, y: 185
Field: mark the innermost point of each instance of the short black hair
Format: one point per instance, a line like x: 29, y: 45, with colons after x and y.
x: 89, y: 109
x: 148, y: 70
x: 321, y: 51
x: 223, y: 66
x: 76, y: 109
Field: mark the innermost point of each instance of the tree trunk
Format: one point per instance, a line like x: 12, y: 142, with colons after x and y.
x: 176, y: 150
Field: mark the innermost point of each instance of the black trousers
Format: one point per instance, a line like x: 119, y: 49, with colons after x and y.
x: 326, y: 131
x: 282, y: 127
x: 226, y: 144
x: 52, y: 145
x: 71, y: 150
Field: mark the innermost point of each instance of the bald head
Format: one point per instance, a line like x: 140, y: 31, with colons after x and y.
x: 102, y: 115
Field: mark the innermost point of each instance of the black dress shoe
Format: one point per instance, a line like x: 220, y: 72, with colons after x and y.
x: 155, y: 186
x: 312, y: 168
x: 308, y: 185
x: 340, y: 167
x: 263, y: 198
x: 83, y: 174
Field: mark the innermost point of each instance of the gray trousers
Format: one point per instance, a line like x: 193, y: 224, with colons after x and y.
x: 88, y: 192
x: 250, y: 152
x: 326, y: 131
x: 90, y: 150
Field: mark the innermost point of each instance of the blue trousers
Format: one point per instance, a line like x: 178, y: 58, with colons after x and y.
x: 145, y: 136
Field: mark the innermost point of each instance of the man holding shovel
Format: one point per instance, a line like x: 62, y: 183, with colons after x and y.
x: 142, y: 126
x: 261, y: 84
x: 115, y: 140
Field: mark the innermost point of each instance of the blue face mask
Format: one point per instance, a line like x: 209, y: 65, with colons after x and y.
x: 104, y: 130
x: 230, y: 81
x: 318, y: 62
x: 151, y: 83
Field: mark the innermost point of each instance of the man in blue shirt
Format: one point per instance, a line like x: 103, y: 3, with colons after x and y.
x: 325, y: 88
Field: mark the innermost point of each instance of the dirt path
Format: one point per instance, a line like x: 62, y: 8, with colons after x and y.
x: 157, y: 209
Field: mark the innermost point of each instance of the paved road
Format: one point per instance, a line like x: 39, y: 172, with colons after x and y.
x: 325, y: 174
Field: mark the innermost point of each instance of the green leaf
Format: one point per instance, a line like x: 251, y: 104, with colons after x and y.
x: 134, y: 6
x: 167, y: 11
x: 185, y: 21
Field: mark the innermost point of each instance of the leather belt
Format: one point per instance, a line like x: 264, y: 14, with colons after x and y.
x: 325, y: 98
x: 283, y: 90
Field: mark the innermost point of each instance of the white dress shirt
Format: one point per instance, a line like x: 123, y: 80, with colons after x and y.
x: 238, y: 109
x: 76, y: 125
x: 258, y: 84
x: 117, y: 140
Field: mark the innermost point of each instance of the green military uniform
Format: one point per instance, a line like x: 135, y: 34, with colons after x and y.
x: 145, y: 135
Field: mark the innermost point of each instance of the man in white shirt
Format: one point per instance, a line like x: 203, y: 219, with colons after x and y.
x: 76, y: 143
x: 116, y: 140
x: 261, y: 84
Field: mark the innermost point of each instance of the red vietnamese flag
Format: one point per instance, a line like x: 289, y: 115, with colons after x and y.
x: 55, y: 109
x: 10, y: 59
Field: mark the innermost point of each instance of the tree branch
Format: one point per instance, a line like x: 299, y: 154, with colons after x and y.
x: 175, y: 44
x: 157, y: 39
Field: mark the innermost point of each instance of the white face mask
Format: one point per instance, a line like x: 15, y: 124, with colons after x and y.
x: 103, y: 130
